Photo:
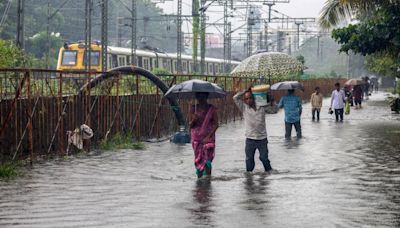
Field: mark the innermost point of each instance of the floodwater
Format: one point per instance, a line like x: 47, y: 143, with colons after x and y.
x: 339, y: 175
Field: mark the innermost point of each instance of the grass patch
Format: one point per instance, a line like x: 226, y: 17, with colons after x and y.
x: 120, y: 141
x: 8, y: 170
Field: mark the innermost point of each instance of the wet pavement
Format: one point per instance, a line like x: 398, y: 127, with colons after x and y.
x: 339, y: 175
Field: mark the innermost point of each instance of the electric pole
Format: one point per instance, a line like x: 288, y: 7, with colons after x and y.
x: 20, y: 24
x: 88, y: 34
x: 104, y: 34
x: 179, y: 38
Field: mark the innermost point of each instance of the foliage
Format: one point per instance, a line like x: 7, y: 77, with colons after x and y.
x: 8, y: 170
x: 161, y: 71
x: 120, y: 141
x: 394, y: 103
x: 383, y: 63
x: 11, y: 56
x: 379, y: 33
x: 38, y: 46
x: 301, y: 59
x: 336, y: 11
x: 378, y: 36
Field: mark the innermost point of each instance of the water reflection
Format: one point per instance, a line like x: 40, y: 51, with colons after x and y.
x: 256, y: 191
x: 202, y: 201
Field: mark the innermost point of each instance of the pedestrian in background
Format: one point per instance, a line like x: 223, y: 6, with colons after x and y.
x: 337, y: 102
x: 293, y: 108
x: 256, y: 132
x: 358, y: 96
x: 316, y: 103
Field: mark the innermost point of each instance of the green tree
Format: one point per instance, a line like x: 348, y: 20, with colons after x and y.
x: 378, y: 37
x: 38, y: 46
x: 11, y: 56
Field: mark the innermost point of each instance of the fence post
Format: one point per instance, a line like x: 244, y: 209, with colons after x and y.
x: 30, y: 133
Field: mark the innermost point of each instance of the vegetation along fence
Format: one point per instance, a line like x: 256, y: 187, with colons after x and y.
x: 38, y: 107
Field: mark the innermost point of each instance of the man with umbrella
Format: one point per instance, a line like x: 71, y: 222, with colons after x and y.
x: 256, y: 132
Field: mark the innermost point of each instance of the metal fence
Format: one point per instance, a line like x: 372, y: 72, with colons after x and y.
x: 38, y: 107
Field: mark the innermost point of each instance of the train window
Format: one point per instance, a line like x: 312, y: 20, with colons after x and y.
x: 94, y: 58
x: 169, y: 65
x: 114, y: 61
x: 184, y: 67
x: 191, y: 67
x: 121, y: 61
x: 174, y: 66
x: 164, y: 63
x: 146, y: 63
x: 154, y: 64
x: 69, y: 58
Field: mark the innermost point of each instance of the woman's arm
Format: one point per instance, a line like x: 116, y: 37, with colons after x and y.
x: 214, y: 129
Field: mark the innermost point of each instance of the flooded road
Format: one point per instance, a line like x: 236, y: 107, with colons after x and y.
x: 339, y: 175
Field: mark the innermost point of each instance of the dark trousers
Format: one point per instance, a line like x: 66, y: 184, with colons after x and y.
x: 288, y: 129
x: 315, y: 110
x: 339, y: 113
x: 262, y: 146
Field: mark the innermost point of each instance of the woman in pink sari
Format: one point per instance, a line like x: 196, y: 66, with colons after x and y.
x: 203, y: 124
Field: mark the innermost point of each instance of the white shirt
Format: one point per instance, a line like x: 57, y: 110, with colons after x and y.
x: 254, y: 120
x: 337, y: 99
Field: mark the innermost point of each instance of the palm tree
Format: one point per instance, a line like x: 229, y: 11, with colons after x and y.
x: 336, y: 11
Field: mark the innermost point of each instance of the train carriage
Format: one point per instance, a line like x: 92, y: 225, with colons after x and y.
x: 73, y: 57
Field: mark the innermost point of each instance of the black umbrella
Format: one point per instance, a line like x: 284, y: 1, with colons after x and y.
x: 188, y: 89
x: 286, y: 85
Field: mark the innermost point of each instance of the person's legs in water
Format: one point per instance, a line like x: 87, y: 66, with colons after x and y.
x: 208, y: 168
x: 262, y: 146
x: 250, y: 150
x: 337, y: 114
x: 313, y: 113
x: 288, y: 130
x: 318, y: 114
x: 341, y: 114
x: 297, y: 126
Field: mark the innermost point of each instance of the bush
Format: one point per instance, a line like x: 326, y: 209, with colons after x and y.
x: 120, y: 141
x: 8, y: 170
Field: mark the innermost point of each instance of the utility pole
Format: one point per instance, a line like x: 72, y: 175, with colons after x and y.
x: 226, y: 39
x: 20, y: 24
x: 290, y: 46
x: 250, y: 23
x: 179, y: 38
x: 132, y: 10
x: 133, y: 33
x: 49, y: 17
x: 104, y: 34
x: 88, y: 33
x: 266, y: 35
x: 229, y: 47
x: 298, y: 34
x: 202, y: 39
